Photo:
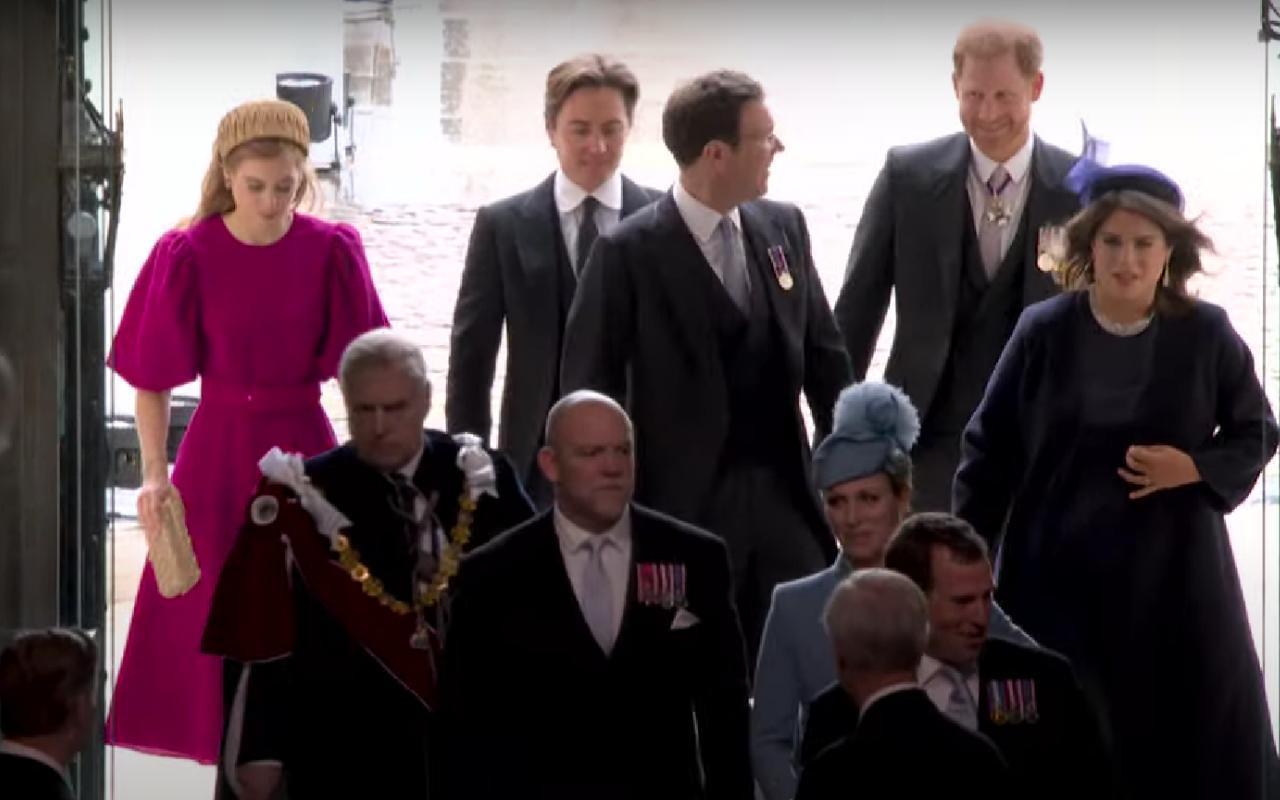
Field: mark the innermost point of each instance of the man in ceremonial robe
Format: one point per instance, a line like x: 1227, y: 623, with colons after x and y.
x: 334, y: 595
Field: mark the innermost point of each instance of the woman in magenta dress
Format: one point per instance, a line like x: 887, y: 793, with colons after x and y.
x: 259, y: 302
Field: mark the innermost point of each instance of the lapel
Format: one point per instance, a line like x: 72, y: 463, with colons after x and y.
x: 540, y: 246
x: 762, y: 232
x: 948, y: 197
x: 638, y: 621
x: 1048, y: 203
x: 633, y: 198
x: 682, y: 281
x: 562, y: 603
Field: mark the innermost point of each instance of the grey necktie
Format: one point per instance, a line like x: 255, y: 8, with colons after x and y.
x: 991, y: 231
x: 587, y: 233
x: 733, y: 264
x: 960, y: 705
x: 597, y: 592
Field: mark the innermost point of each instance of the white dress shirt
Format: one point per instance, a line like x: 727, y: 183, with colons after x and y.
x: 617, y: 559
x: 701, y: 221
x: 1015, y: 195
x: 22, y: 751
x: 938, y: 685
x: 569, y: 197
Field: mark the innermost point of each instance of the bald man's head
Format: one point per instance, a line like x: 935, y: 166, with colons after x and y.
x: 588, y: 458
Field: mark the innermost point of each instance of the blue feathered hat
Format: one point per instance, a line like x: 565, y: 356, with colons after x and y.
x: 1091, y: 180
x: 873, y: 420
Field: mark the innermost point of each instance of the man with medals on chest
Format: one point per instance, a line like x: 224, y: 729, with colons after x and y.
x: 594, y: 652
x: 704, y: 315
x: 951, y: 230
x: 1025, y: 699
x: 332, y: 601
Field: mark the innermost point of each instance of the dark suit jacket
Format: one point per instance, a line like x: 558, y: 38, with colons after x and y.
x: 639, y: 331
x: 909, y: 241
x: 904, y: 747
x: 331, y: 694
x: 511, y: 276
x: 27, y: 779
x: 534, y: 708
x: 1060, y: 754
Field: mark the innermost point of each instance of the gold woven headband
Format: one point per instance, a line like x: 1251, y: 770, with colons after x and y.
x: 263, y: 119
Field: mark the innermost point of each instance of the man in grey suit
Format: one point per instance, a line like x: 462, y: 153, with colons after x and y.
x: 864, y: 473
x: 525, y: 255
x: 704, y: 316
x: 951, y: 227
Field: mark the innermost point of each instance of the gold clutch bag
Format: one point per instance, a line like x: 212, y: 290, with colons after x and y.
x: 170, y: 553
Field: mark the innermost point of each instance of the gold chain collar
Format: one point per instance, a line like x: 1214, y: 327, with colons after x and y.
x: 430, y: 594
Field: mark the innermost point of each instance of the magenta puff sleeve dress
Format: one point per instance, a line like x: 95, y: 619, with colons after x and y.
x: 262, y: 326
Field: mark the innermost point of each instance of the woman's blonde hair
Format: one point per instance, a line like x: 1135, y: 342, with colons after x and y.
x: 215, y: 194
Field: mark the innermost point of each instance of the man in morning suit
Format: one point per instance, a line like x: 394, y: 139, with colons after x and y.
x: 951, y: 228
x: 1024, y: 699
x: 594, y: 651
x: 525, y: 255
x: 48, y: 691
x: 334, y: 593
x: 902, y: 746
x: 704, y: 315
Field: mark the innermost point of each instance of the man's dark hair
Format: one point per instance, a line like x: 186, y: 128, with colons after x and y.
x: 910, y: 551
x: 706, y: 108
x: 42, y: 673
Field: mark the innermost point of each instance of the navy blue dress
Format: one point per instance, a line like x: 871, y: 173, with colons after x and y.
x: 1142, y: 595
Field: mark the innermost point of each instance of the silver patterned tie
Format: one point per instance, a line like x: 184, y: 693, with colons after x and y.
x: 994, y: 220
x: 733, y: 264
x: 597, y: 593
x: 960, y: 705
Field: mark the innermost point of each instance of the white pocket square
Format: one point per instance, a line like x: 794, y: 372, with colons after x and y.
x: 684, y: 618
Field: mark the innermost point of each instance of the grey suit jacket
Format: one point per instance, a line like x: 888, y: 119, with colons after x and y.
x: 510, y: 278
x: 796, y: 664
x: 639, y: 330
x: 909, y: 241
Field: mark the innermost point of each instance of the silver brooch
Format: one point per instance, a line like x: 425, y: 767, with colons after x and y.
x: 264, y: 510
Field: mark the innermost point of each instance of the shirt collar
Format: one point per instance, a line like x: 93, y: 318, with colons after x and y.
x: 12, y: 748
x: 930, y: 667
x: 411, y: 467
x: 573, y: 537
x: 700, y: 218
x: 570, y: 195
x: 1017, y: 165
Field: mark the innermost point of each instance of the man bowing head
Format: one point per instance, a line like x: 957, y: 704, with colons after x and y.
x: 622, y: 624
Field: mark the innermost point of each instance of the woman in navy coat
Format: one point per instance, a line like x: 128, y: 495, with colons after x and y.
x: 1124, y: 419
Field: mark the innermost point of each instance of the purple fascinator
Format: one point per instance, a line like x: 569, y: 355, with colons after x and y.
x: 1091, y: 180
